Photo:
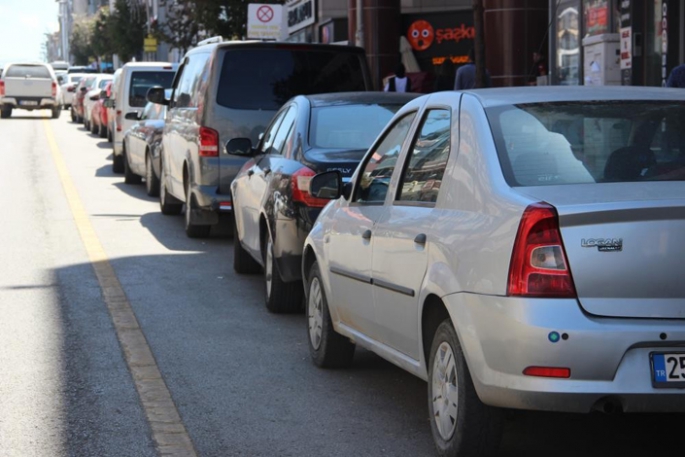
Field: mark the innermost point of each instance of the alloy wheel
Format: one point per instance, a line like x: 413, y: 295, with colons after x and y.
x: 315, y: 313
x: 445, y: 394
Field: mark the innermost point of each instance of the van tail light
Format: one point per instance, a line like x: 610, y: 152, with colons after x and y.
x: 117, y: 120
x: 71, y: 88
x: 209, y: 142
x: 2, y: 88
x: 300, y: 182
x: 54, y: 89
x: 538, y: 265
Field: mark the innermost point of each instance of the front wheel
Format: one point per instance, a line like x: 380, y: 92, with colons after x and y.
x: 166, y: 205
x: 281, y: 296
x: 129, y: 176
x: 243, y: 262
x: 327, y: 348
x: 151, y: 179
x: 461, y: 424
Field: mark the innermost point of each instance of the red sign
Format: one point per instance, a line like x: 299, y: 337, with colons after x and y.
x: 265, y: 13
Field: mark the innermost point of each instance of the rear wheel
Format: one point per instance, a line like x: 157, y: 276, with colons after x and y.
x: 56, y: 112
x: 151, y: 180
x: 73, y: 115
x: 166, y: 205
x: 6, y: 112
x: 281, y: 296
x: 327, y: 348
x: 86, y: 123
x: 109, y: 135
x: 461, y: 424
x: 102, y: 131
x: 129, y: 176
x: 117, y: 163
x: 243, y: 262
x: 194, y: 230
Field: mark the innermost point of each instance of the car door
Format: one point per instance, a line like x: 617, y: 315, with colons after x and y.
x: 250, y: 189
x: 402, y: 236
x: 138, y: 139
x: 349, y: 245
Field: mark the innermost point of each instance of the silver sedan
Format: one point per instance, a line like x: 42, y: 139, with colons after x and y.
x: 516, y: 248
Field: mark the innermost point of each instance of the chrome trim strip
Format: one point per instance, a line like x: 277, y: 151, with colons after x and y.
x: 349, y: 274
x: 393, y: 287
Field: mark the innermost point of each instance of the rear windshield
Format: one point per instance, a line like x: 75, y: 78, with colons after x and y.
x: 141, y: 81
x: 23, y: 71
x: 348, y: 126
x: 590, y: 142
x: 266, y: 78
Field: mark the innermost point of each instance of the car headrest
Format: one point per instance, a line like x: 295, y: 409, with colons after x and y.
x: 628, y: 164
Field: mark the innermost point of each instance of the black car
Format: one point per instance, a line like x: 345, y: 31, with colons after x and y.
x: 273, y: 209
x: 142, y: 147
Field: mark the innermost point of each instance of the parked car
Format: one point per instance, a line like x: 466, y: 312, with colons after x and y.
x: 92, y: 97
x: 68, y: 88
x: 130, y: 90
x: 230, y: 90
x: 142, y: 144
x: 110, y: 106
x: 82, y: 88
x: 516, y: 248
x: 28, y: 86
x: 98, y: 114
x: 271, y: 202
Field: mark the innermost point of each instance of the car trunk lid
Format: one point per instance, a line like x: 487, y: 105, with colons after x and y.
x: 342, y: 160
x: 624, y: 244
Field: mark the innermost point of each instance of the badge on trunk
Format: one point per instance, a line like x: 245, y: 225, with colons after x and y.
x: 603, y: 244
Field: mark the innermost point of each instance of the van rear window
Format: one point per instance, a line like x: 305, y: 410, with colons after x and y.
x: 32, y: 71
x: 141, y: 81
x: 267, y: 78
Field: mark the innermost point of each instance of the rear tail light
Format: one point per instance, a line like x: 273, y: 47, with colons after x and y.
x: 117, y: 121
x: 71, y: 88
x: 300, y: 181
x: 548, y: 372
x: 209, y: 142
x: 538, y: 262
x: 2, y: 88
x: 54, y: 89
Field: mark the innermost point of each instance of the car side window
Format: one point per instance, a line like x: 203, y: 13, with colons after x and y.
x: 270, y: 134
x: 283, y: 131
x: 427, y: 159
x: 376, y: 173
x: 192, y: 70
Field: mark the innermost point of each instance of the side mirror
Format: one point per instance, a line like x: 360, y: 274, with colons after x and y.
x: 327, y: 185
x: 240, y: 147
x: 84, y: 89
x: 156, y: 95
x: 132, y: 116
x: 103, y: 94
x: 95, y: 97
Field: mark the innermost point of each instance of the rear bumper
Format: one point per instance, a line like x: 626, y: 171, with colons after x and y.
x: 609, y: 359
x: 210, y: 204
x: 29, y: 103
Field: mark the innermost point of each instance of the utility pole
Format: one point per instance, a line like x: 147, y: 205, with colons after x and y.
x: 479, y: 42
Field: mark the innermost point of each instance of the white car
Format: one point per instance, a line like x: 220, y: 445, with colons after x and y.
x: 516, y: 248
x: 92, y: 96
x: 68, y: 88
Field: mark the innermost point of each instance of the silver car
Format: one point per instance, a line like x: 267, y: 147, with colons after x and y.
x: 516, y: 248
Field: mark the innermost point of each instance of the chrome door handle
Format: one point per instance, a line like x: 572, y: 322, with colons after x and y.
x: 420, y: 239
x: 367, y: 235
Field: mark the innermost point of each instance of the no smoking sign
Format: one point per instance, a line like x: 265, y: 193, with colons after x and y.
x: 265, y: 21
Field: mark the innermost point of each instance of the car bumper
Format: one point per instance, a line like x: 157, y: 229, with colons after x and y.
x: 609, y: 359
x: 29, y: 102
x: 210, y: 203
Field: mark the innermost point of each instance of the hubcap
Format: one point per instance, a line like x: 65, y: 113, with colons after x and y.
x: 268, y: 267
x: 444, y: 390
x: 315, y: 312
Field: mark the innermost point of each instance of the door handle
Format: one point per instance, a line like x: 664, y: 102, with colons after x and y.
x: 250, y: 172
x: 420, y: 239
x: 367, y: 235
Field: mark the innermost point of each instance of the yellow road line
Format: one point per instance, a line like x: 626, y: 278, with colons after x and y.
x: 168, y: 431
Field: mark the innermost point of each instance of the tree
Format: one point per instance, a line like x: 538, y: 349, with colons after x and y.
x: 82, y: 41
x: 182, y: 26
x: 102, y: 37
x: 128, y: 26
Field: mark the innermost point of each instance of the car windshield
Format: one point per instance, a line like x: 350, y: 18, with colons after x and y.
x: 27, y: 71
x: 141, y: 81
x: 348, y: 126
x: 273, y: 76
x: 590, y: 142
x: 103, y: 83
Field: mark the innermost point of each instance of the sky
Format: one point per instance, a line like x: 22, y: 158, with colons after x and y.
x: 23, y: 25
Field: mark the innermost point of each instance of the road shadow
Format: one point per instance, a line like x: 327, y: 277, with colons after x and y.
x: 105, y: 171
x: 133, y: 190
x: 169, y: 230
x: 104, y: 145
x: 20, y: 118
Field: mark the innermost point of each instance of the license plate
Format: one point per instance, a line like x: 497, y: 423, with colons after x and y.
x: 668, y: 369
x: 28, y: 103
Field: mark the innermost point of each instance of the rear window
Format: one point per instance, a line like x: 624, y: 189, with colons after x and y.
x: 141, y: 81
x: 266, y: 78
x: 349, y: 126
x: 103, y: 83
x: 590, y: 142
x: 23, y: 71
x: 76, y: 79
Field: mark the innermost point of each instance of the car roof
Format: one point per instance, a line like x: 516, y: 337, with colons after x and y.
x: 540, y: 94
x: 271, y: 45
x: 148, y: 64
x: 358, y: 98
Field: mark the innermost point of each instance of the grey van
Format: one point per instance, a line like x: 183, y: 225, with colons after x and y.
x: 232, y: 90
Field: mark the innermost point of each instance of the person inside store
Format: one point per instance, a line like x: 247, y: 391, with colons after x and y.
x: 400, y: 82
x: 466, y: 74
x: 677, y: 77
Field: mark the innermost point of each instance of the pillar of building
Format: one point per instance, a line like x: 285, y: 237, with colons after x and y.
x: 514, y: 30
x: 381, y: 35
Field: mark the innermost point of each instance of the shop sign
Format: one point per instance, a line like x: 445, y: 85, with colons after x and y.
x: 437, y: 37
x: 626, y: 44
x: 150, y: 44
x: 596, y: 16
x: 301, y: 13
x: 265, y: 22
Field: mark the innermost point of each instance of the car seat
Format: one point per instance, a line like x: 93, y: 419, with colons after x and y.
x: 628, y: 164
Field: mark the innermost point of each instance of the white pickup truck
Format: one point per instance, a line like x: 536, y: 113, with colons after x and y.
x: 28, y: 86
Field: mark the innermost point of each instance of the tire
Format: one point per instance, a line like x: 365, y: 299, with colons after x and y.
x: 86, y: 124
x: 129, y: 176
x: 166, y: 206
x: 243, y: 262
x: 151, y: 179
x: 6, y: 113
x: 281, y: 296
x: 117, y: 163
x: 56, y: 112
x: 73, y: 116
x: 94, y: 128
x: 327, y: 348
x: 461, y: 424
x: 193, y: 230
x: 110, y: 138
x: 102, y: 131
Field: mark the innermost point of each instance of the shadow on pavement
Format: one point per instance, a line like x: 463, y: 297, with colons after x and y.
x: 104, y: 145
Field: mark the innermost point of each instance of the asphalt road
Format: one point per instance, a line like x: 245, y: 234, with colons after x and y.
x: 240, y: 377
